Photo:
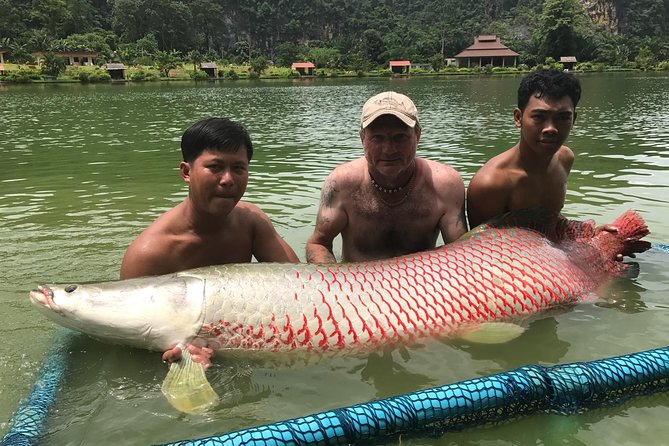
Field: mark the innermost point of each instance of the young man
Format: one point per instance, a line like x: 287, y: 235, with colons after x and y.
x: 533, y: 173
x: 388, y: 202
x: 211, y: 226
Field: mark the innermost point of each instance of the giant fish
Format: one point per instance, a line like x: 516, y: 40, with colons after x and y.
x: 496, y: 272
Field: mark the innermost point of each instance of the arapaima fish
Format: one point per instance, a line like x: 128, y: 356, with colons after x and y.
x: 497, y: 272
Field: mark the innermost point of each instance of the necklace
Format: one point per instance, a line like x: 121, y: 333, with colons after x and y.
x: 383, y: 190
x: 394, y: 190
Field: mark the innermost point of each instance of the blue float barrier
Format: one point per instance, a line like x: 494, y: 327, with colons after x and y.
x: 564, y: 389
x: 28, y: 419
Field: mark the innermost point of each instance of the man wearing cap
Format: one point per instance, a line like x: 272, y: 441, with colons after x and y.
x: 388, y: 202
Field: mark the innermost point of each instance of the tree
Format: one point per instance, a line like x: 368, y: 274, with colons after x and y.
x: 324, y: 57
x: 53, y: 65
x: 437, y: 61
x: 166, y: 61
x: 259, y: 64
x: 644, y: 58
x: 287, y: 53
x: 374, y: 47
x: 196, y: 57
x: 561, y: 28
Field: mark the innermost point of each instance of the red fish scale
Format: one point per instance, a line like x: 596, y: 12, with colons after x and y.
x: 494, y: 275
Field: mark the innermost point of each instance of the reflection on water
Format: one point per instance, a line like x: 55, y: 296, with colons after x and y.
x: 87, y: 167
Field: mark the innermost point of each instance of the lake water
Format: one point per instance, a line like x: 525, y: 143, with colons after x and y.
x: 86, y: 167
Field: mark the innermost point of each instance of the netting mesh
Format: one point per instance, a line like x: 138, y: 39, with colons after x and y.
x: 564, y: 389
x: 27, y: 421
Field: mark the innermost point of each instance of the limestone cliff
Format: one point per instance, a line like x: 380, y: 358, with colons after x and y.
x: 603, y: 12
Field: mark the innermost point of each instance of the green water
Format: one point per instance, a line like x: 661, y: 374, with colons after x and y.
x: 85, y: 168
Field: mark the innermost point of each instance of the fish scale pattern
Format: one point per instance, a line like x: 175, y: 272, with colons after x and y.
x: 493, y: 275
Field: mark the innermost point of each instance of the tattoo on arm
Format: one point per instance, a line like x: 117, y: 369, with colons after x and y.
x: 328, y: 194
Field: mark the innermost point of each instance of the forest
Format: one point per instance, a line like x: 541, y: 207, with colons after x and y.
x: 357, y: 34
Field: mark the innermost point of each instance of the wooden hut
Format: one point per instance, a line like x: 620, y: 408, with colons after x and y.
x: 116, y: 70
x: 304, y: 68
x: 400, y: 67
x: 568, y: 62
x: 487, y: 50
x: 209, y: 68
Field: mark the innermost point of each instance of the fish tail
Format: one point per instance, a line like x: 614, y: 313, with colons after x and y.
x: 631, y: 228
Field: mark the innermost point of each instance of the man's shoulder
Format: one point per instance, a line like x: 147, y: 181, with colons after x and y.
x: 347, y: 175
x: 245, y: 215
x: 438, y: 168
x: 565, y: 156
x: 349, y: 169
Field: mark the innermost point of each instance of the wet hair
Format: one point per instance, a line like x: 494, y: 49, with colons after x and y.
x: 219, y: 134
x: 553, y: 84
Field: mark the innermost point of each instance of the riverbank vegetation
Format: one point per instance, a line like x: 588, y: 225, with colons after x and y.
x: 167, y: 39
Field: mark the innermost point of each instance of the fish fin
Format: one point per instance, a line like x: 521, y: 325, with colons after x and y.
x: 624, y: 270
x: 492, y: 332
x: 186, y: 386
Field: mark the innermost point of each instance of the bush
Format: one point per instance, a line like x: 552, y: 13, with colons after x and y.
x: 663, y: 66
x: 231, y: 75
x: 22, y: 76
x: 99, y: 75
x: 140, y: 74
x: 199, y: 75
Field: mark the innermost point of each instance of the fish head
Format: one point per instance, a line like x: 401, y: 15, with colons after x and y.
x: 151, y: 312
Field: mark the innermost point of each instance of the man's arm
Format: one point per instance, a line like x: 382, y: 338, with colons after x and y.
x: 330, y: 222
x: 453, y: 223
x: 268, y: 245
x: 486, y: 198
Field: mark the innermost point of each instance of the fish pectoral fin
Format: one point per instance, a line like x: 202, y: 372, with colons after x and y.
x: 186, y: 386
x: 492, y: 332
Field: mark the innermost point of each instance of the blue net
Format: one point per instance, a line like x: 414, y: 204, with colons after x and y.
x: 27, y: 421
x: 564, y: 389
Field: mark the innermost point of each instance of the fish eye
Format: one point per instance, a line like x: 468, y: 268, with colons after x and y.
x: 70, y: 288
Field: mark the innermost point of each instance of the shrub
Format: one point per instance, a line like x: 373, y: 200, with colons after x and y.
x: 199, y: 75
x: 22, y: 76
x: 231, y: 75
x: 99, y: 75
x: 663, y: 66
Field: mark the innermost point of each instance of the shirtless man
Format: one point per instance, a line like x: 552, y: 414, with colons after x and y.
x: 211, y: 226
x: 389, y: 202
x: 533, y: 173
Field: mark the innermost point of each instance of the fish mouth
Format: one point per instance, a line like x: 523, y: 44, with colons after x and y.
x: 43, y: 295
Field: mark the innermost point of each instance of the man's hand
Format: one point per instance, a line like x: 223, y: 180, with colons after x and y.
x: 199, y: 354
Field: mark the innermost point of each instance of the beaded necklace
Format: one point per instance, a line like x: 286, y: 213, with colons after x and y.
x: 394, y: 190
x: 383, y: 190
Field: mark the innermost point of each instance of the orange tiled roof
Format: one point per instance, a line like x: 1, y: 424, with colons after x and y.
x: 303, y: 65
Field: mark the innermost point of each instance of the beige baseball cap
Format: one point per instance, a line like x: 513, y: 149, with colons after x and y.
x: 389, y: 103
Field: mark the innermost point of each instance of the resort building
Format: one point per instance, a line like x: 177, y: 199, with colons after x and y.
x: 304, y: 68
x: 487, y: 50
x: 74, y: 58
x: 116, y: 70
x: 209, y: 68
x: 400, y: 66
x: 568, y: 62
